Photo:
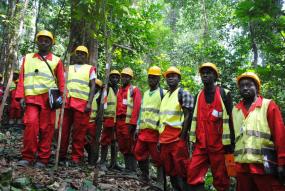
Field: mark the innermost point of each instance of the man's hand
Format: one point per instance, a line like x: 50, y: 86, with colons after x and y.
x: 87, y: 108
x: 23, y: 103
x: 281, y: 174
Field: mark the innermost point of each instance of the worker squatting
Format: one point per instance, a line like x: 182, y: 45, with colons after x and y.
x: 158, y: 125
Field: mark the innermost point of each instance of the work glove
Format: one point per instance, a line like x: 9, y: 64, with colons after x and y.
x: 23, y: 103
x: 87, y: 108
x: 281, y: 174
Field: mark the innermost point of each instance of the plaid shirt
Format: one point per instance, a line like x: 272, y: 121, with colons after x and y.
x: 187, y: 100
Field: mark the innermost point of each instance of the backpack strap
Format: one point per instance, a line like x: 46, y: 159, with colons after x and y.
x: 161, y: 93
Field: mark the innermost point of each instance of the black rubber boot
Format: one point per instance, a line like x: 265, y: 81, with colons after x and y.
x: 114, y: 153
x: 144, y: 167
x: 103, y: 158
x: 127, y: 163
x: 160, y: 179
x: 182, y: 182
x: 133, y: 163
x: 199, y: 187
x: 174, y: 183
x: 88, y: 150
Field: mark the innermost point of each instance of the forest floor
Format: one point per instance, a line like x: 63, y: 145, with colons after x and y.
x: 65, y: 178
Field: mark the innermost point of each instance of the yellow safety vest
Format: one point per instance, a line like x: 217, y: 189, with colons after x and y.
x: 12, y: 86
x: 170, y: 112
x: 149, y: 118
x: 110, y: 110
x: 37, y: 76
x: 226, y: 138
x: 78, y: 82
x: 94, y: 107
x: 252, y: 134
x: 130, y: 103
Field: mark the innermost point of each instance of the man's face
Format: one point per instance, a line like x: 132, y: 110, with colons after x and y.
x: 114, y: 79
x: 153, y: 80
x: 80, y: 57
x: 44, y: 43
x: 208, y: 75
x: 247, y: 88
x: 172, y: 79
x: 126, y: 80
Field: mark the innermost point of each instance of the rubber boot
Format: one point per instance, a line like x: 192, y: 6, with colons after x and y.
x: 175, y: 183
x: 199, y: 187
x: 127, y: 163
x: 161, y: 179
x: 88, y: 150
x: 133, y: 163
x: 114, y: 154
x: 144, y: 167
x: 183, y: 184
x: 103, y: 158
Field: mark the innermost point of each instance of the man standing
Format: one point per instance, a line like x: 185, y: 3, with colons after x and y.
x: 36, y: 77
x: 175, y: 112
x: 108, y: 132
x: 81, y: 90
x: 128, y: 108
x: 91, y: 130
x: 260, y: 139
x: 148, y: 124
x: 210, y: 131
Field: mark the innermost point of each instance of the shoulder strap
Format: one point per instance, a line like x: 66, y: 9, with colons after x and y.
x: 224, y: 99
x: 180, y: 93
x: 47, y: 65
x: 161, y: 93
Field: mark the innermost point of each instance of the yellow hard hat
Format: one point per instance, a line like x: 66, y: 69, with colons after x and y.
x: 115, y: 72
x: 250, y: 75
x: 47, y: 34
x: 209, y: 65
x: 99, y: 82
x: 171, y: 70
x: 83, y: 49
x: 128, y: 71
x: 154, y: 70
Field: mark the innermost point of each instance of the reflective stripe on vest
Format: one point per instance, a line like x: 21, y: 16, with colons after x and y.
x: 37, y: 76
x: 252, y: 134
x: 110, y: 111
x: 94, y: 107
x: 150, y: 110
x: 170, y: 112
x: 226, y: 138
x: 130, y: 103
x: 12, y: 86
x: 78, y: 82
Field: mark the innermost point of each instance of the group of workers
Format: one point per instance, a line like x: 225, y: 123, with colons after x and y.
x: 158, y: 125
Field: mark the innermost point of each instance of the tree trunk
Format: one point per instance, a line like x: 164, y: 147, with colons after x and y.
x: 253, y: 44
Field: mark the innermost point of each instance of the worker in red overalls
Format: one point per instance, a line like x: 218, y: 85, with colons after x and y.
x: 91, y: 131
x: 39, y: 72
x: 81, y: 90
x: 210, y: 132
x: 128, y: 108
x: 108, y: 132
x: 260, y: 139
x: 15, y: 112
x: 147, y: 132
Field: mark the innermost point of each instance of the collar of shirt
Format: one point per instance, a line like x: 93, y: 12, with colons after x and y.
x: 48, y: 57
x: 257, y: 103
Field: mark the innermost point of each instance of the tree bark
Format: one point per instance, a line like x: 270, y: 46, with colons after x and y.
x: 253, y: 44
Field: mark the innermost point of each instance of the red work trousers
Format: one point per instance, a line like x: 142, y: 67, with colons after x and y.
x: 91, y: 133
x: 174, y: 158
x: 143, y: 149
x: 199, y: 164
x: 257, y: 182
x: 38, y: 133
x: 124, y: 137
x: 80, y: 122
